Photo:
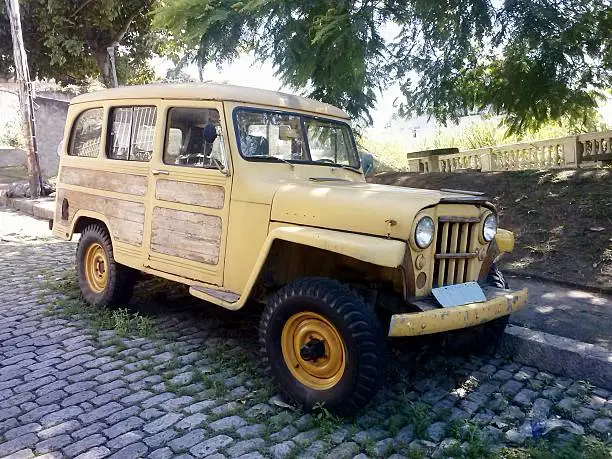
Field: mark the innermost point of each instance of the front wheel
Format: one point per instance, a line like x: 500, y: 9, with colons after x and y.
x: 484, y: 338
x: 102, y: 281
x: 323, y: 345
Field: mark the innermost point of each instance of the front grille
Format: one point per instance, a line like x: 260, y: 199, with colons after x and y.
x: 456, y: 246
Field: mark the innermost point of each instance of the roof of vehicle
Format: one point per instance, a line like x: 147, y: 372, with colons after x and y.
x: 209, y: 91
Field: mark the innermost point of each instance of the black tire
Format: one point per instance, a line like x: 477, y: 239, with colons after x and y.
x: 358, y: 328
x: 120, y: 279
x: 485, y: 338
x: 496, y: 278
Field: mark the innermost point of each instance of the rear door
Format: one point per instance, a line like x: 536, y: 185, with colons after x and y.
x: 189, y: 203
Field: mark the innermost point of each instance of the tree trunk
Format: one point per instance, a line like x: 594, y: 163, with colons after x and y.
x: 106, y: 69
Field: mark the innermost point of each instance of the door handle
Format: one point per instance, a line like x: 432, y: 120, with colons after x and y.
x: 158, y: 172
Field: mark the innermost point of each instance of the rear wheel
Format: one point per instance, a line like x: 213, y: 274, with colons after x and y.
x: 323, y: 345
x: 102, y: 280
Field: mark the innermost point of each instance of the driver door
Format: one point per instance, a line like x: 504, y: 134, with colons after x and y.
x: 189, y: 204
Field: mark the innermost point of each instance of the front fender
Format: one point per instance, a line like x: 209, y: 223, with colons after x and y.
x: 376, y: 250
x: 504, y: 240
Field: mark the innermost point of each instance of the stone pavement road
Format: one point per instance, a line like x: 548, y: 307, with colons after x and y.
x: 173, y: 377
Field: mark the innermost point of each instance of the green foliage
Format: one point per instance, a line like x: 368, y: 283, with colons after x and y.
x: 531, y: 61
x: 67, y: 40
x: 10, y: 135
x: 68, y: 304
x: 325, y: 421
x: 419, y: 416
x: 577, y: 448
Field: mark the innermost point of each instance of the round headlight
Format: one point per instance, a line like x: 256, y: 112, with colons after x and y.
x: 489, y: 229
x: 424, y: 232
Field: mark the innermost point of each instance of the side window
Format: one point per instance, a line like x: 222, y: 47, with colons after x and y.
x: 131, y: 135
x: 193, y: 138
x: 87, y: 133
x: 265, y: 134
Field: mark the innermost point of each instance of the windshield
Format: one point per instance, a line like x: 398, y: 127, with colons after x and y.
x: 268, y: 135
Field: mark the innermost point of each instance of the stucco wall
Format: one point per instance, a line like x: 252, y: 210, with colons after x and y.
x: 50, y: 115
x: 50, y: 110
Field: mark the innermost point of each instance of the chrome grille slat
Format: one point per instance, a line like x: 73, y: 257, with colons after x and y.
x: 456, y: 250
x: 465, y: 229
x: 442, y: 249
x: 450, y: 275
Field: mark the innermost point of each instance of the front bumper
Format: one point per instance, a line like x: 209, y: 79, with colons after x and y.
x: 445, y: 319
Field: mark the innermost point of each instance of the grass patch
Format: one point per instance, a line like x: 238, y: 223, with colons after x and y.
x: 419, y: 416
x: 325, y: 421
x: 69, y: 305
x: 576, y: 448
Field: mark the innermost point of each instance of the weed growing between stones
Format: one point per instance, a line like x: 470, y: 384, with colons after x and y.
x: 419, y: 417
x: 325, y: 421
x: 578, y: 447
x: 69, y: 305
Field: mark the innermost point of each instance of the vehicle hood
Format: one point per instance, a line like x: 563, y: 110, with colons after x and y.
x: 357, y: 207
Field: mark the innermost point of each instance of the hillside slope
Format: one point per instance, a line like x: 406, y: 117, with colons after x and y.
x: 562, y: 218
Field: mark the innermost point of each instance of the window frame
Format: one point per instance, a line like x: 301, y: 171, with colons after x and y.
x: 73, y: 128
x: 167, y: 135
x: 302, y: 118
x: 109, y: 131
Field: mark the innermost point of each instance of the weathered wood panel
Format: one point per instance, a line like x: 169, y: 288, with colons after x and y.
x: 190, y: 193
x: 108, y: 181
x: 188, y: 235
x: 125, y: 218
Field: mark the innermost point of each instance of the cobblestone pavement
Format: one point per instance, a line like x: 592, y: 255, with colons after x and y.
x: 174, y: 377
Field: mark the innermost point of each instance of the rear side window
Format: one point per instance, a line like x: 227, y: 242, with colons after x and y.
x: 131, y: 133
x: 87, y: 133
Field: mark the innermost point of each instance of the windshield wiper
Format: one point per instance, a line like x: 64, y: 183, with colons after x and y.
x: 346, y: 166
x: 333, y: 164
x: 274, y: 159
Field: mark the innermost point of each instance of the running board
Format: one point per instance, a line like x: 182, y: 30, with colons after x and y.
x: 214, y: 295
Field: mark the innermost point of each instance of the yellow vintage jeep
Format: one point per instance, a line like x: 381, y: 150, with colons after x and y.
x: 253, y: 196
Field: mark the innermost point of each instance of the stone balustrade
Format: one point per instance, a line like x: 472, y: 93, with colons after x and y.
x: 583, y: 150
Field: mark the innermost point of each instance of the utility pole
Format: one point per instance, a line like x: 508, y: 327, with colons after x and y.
x: 26, y: 98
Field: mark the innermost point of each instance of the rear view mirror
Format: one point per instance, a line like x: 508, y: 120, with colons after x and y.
x: 287, y: 133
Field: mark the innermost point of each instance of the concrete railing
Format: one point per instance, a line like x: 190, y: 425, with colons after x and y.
x: 584, y: 150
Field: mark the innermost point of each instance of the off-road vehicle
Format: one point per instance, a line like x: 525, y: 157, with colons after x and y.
x: 254, y: 196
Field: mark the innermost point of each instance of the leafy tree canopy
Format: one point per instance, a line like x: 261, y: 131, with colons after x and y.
x: 67, y: 39
x: 532, y: 61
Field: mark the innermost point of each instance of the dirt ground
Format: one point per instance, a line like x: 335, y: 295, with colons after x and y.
x: 562, y: 218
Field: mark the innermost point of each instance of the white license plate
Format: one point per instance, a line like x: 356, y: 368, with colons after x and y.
x: 459, y: 294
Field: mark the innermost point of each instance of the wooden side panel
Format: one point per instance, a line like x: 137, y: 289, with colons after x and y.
x: 190, y: 193
x: 125, y: 218
x: 189, y: 235
x: 102, y: 180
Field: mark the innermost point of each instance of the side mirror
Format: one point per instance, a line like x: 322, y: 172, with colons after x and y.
x: 367, y: 164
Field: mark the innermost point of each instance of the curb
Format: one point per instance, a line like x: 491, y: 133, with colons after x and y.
x: 586, y: 287
x: 42, y: 208
x: 558, y: 355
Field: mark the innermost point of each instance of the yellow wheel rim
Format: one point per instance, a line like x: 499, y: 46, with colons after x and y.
x: 313, y: 350
x: 96, y: 267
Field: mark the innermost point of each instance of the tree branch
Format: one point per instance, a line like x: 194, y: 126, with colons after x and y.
x: 78, y: 10
x: 121, y: 33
